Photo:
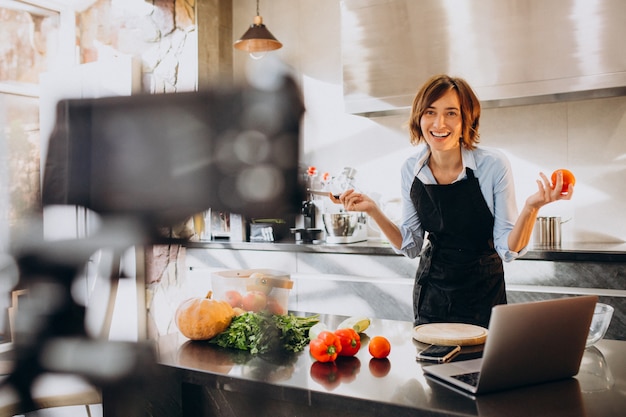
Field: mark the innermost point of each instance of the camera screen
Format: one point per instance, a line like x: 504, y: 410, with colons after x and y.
x: 168, y: 156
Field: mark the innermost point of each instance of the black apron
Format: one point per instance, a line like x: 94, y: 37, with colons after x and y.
x: 460, y: 275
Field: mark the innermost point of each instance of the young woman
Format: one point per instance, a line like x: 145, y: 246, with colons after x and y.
x: 461, y: 199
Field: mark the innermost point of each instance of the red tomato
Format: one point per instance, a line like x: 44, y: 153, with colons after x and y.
x: 234, y: 298
x: 274, y: 306
x: 254, y: 301
x: 568, y: 178
x: 379, y: 347
x: 350, y: 341
x: 326, y: 347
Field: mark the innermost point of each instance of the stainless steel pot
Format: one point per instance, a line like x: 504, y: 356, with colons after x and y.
x: 547, y: 231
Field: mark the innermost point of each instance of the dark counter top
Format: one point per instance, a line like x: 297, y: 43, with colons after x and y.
x: 568, y: 252
x: 295, y: 384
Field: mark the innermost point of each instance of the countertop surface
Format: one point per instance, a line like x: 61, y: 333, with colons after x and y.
x: 572, y: 252
x: 396, y: 386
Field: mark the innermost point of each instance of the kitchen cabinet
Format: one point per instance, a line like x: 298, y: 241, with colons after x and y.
x: 370, y: 278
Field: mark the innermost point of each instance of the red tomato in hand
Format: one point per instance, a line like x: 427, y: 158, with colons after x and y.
x: 326, y: 347
x: 568, y: 178
x: 379, y: 347
x: 350, y: 341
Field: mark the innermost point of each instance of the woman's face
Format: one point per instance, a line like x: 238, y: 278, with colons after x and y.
x: 441, y: 123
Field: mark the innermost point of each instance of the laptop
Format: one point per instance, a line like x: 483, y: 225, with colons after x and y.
x: 528, y: 343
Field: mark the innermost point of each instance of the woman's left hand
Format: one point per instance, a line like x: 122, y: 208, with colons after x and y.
x: 522, y: 231
x: 547, y: 194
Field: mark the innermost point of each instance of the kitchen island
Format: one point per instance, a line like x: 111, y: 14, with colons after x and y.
x: 197, y: 379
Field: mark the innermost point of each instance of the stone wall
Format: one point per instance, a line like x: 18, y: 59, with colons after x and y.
x: 163, y: 34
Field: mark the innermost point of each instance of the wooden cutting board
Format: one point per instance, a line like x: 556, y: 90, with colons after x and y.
x: 450, y: 334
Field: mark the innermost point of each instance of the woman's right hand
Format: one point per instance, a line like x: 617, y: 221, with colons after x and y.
x: 354, y: 201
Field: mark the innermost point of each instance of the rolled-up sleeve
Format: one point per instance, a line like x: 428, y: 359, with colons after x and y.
x: 503, y: 204
x: 410, y: 225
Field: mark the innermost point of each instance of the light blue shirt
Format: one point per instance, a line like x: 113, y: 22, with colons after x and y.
x: 493, y: 170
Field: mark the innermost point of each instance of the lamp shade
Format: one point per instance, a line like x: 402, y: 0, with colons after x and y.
x: 257, y: 38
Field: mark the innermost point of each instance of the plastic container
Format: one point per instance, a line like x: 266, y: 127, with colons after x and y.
x: 253, y: 290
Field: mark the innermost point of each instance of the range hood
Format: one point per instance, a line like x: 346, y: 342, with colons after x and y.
x: 512, y: 52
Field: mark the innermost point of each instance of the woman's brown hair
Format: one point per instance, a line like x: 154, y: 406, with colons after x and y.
x: 432, y: 91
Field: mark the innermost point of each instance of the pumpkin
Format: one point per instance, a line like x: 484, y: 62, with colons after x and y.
x: 203, y: 318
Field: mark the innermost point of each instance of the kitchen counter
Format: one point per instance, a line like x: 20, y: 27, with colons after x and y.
x: 574, y: 252
x: 200, y: 379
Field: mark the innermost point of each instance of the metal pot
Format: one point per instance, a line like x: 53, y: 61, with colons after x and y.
x: 340, y: 224
x: 547, y: 231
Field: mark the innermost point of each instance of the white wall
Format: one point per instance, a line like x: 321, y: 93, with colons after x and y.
x: 587, y: 137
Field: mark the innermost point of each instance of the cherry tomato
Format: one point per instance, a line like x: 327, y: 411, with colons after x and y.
x: 350, y: 341
x: 568, y: 178
x: 379, y: 347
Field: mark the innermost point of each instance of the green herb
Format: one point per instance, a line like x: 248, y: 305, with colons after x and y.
x: 262, y: 333
x: 294, y: 330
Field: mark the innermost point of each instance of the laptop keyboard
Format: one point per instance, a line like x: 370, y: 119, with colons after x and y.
x: 469, y: 378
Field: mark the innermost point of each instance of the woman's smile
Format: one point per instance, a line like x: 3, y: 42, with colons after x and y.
x: 440, y: 135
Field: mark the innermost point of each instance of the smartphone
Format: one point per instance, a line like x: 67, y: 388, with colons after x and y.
x: 438, y: 353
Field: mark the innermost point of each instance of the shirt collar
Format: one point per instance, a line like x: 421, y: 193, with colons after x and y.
x: 467, y: 157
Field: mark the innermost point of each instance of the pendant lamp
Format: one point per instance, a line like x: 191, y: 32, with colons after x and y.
x: 257, y: 40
